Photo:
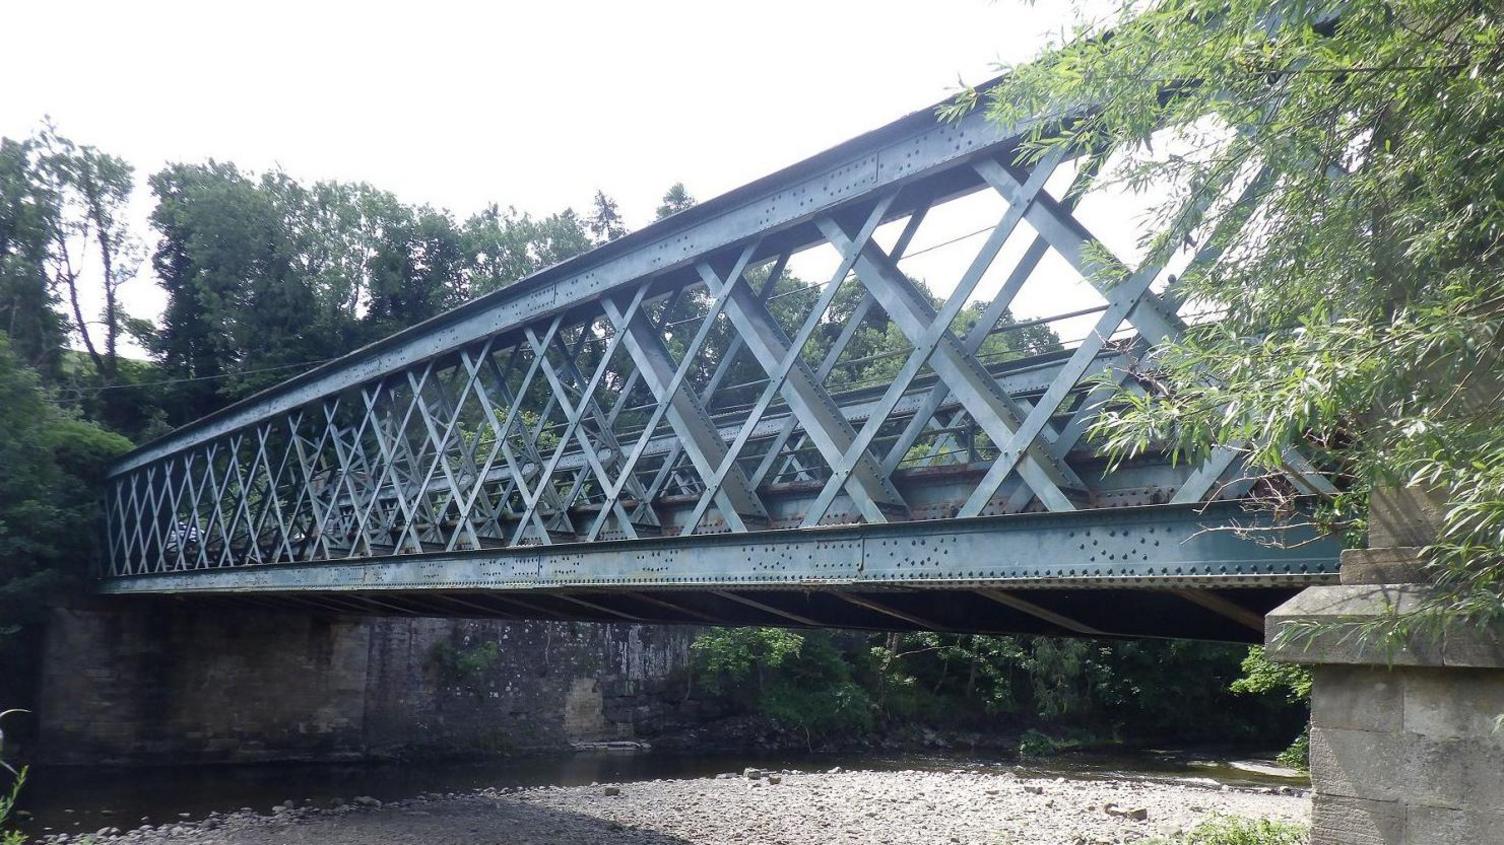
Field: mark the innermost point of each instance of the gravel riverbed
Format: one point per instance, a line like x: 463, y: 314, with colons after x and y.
x: 984, y: 808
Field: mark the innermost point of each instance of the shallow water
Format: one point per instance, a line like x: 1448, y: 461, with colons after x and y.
x: 78, y: 799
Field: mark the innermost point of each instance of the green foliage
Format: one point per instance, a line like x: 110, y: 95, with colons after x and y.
x: 675, y: 200
x: 49, y: 503
x: 90, y: 236
x: 841, y: 708
x: 27, y: 298
x: 1298, y: 754
x: 1081, y: 690
x: 503, y: 246
x: 1036, y: 743
x: 802, y: 681
x: 727, y: 658
x: 1234, y: 830
x: 466, y: 665
x: 7, y: 805
x: 605, y: 222
x: 1262, y: 676
x: 9, y: 796
x: 1285, y: 681
x: 64, y: 242
x: 1361, y: 307
x: 816, y: 690
x: 266, y: 275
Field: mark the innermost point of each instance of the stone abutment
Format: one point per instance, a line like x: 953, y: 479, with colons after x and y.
x: 163, y: 681
x: 1406, y: 738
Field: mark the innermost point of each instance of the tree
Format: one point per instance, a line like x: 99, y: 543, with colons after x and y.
x: 10, y: 793
x: 89, y: 192
x: 605, y: 223
x: 559, y: 237
x: 850, y: 682
x: 65, y: 246
x: 265, y: 276
x: 1362, y: 304
x: 675, y: 200
x: 503, y: 246
x: 1286, y: 681
x: 416, y: 271
x: 224, y: 261
x: 50, y: 510
x: 186, y: 342
x: 27, y: 301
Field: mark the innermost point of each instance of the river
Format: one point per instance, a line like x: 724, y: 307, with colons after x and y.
x: 74, y: 799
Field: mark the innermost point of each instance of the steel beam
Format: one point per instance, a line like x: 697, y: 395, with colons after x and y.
x: 1024, y: 605
x: 1221, y: 606
x: 780, y: 358
x: 1154, y: 547
x: 676, y: 608
x: 768, y: 609
x: 876, y: 606
x: 993, y: 410
x: 697, y: 434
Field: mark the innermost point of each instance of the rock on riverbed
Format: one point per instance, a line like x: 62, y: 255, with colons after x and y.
x: 849, y: 807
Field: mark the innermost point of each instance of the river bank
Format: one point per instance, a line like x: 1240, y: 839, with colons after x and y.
x: 753, y: 806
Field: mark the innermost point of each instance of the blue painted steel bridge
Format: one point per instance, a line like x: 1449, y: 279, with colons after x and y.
x: 678, y: 427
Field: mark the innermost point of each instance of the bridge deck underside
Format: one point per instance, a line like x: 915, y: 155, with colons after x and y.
x: 1226, y: 615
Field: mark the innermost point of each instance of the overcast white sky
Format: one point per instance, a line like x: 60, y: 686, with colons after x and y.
x: 534, y: 105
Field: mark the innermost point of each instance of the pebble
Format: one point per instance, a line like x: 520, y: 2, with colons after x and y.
x: 1138, y: 814
x: 868, y: 807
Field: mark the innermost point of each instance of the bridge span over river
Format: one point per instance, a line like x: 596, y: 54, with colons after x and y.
x: 682, y: 426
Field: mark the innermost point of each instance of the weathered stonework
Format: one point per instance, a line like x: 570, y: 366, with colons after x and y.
x: 158, y: 682
x: 1406, y: 746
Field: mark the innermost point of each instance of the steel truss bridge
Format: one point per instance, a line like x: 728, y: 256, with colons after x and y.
x: 676, y: 427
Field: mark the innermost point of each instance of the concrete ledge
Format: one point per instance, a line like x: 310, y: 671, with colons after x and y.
x: 1336, y: 612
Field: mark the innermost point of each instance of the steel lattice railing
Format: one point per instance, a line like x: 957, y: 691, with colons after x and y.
x: 680, y: 381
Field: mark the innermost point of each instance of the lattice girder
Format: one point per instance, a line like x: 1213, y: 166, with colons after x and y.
x: 686, y: 380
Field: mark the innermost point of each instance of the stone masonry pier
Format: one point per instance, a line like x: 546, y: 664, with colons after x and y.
x: 1406, y: 739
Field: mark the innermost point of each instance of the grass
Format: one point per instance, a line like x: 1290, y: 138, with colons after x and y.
x: 1231, y: 830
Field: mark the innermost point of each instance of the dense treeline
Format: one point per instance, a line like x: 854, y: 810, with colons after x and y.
x: 265, y: 276
x: 834, y: 687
